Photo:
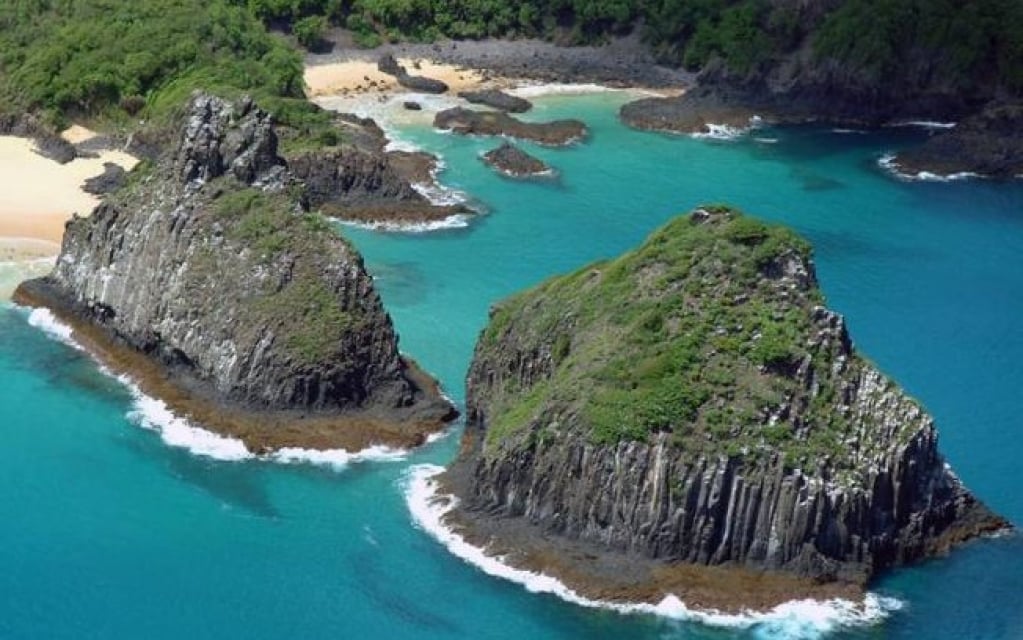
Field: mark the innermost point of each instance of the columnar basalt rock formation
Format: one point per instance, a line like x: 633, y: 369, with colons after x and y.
x: 207, y: 276
x: 694, y: 404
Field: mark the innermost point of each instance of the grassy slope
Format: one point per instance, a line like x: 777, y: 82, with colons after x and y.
x: 683, y: 335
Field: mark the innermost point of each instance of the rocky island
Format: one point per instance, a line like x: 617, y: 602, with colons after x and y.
x: 497, y: 99
x: 209, y: 280
x: 513, y: 162
x: 690, y: 419
x: 498, y: 123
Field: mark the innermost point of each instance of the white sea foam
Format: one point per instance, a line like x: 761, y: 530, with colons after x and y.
x: 175, y: 431
x: 888, y: 163
x: 537, y: 90
x: 721, y: 132
x: 796, y: 619
x: 154, y: 414
x: 923, y: 124
x: 44, y: 320
x: 437, y: 193
x: 456, y: 221
x: 849, y: 131
x: 337, y: 458
x: 727, y: 132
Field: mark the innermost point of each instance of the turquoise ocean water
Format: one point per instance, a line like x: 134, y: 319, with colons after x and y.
x: 108, y: 532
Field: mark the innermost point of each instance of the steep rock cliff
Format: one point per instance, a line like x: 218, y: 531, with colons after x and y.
x: 209, y: 265
x: 694, y: 403
x: 989, y: 143
x: 860, y: 63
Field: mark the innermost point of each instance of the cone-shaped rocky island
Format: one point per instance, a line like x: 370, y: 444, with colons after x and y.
x: 211, y: 283
x: 690, y: 419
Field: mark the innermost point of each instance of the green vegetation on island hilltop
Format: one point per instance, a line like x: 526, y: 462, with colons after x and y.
x: 698, y: 333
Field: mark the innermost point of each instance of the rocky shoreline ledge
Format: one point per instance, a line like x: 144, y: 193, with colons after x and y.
x: 207, y: 279
x: 989, y: 144
x: 689, y: 419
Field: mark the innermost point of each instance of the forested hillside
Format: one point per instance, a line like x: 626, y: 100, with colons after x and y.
x: 972, y: 40
x: 113, y: 59
x: 110, y: 58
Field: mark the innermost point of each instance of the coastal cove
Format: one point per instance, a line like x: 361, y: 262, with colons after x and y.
x: 154, y: 540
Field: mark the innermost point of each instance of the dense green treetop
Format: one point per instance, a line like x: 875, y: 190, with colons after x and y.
x: 71, y: 58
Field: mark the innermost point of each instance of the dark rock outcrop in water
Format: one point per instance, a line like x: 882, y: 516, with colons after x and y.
x: 689, y: 114
x: 689, y: 418
x: 490, y: 123
x: 371, y: 187
x: 390, y: 66
x: 209, y: 281
x: 989, y: 143
x: 497, y: 99
x: 514, y: 162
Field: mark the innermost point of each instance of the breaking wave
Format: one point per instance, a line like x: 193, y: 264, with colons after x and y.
x: 888, y: 163
x: 807, y: 619
x: 175, y: 431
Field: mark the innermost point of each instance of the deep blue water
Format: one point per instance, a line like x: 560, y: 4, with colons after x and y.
x: 107, y: 532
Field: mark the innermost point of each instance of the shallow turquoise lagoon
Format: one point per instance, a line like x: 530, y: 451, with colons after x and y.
x: 108, y: 532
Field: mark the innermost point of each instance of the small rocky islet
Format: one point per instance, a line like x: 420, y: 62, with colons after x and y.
x: 497, y: 99
x: 510, y: 161
x: 690, y: 419
x: 497, y: 123
x: 208, y: 279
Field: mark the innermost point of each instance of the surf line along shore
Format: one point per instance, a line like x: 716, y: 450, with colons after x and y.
x: 39, y: 196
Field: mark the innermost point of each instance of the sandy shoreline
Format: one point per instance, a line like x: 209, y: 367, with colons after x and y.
x: 360, y: 75
x: 621, y: 63
x: 40, y: 195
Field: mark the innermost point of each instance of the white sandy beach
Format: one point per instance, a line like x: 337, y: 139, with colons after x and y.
x: 362, y: 76
x: 38, y: 197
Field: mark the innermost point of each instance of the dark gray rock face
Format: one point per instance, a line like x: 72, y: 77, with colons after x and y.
x: 390, y: 66
x: 350, y: 175
x: 487, y: 123
x: 219, y: 137
x: 692, y: 114
x: 243, y: 297
x: 112, y: 179
x: 514, y: 162
x: 498, y: 100
x: 989, y: 143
